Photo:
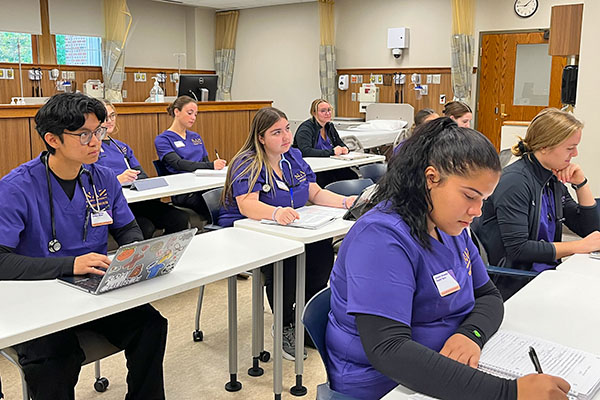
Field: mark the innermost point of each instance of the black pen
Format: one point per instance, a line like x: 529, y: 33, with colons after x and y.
x: 217, y: 154
x: 535, y: 360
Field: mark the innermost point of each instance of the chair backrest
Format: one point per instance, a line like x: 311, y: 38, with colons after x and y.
x: 212, y: 198
x: 505, y: 156
x: 315, y: 318
x: 349, y: 187
x: 373, y: 171
x: 160, y: 168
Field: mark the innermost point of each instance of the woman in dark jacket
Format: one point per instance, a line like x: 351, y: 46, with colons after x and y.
x: 521, y: 225
x: 317, y: 137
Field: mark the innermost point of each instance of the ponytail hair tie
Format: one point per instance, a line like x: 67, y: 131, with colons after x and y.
x: 522, y: 147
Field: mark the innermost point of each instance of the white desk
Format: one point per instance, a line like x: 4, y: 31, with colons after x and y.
x: 581, y: 264
x: 558, y: 306
x: 319, y: 164
x: 371, y: 138
x: 305, y: 236
x: 209, y: 257
x: 178, y: 184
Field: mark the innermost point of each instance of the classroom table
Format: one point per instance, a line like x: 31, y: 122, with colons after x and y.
x: 178, y: 184
x: 581, y: 264
x: 319, y: 164
x: 370, y: 138
x: 305, y: 236
x: 209, y: 257
x: 560, y: 306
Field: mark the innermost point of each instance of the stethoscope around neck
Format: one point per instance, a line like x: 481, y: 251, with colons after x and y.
x: 266, y: 187
x: 54, y: 244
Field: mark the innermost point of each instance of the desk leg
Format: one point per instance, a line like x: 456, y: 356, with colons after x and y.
x: 258, y: 337
x: 278, y: 334
x: 298, y: 389
x: 233, y: 385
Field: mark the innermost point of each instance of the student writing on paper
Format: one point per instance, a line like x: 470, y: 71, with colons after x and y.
x: 56, y: 214
x: 182, y: 150
x: 521, y: 225
x: 119, y: 157
x: 411, y: 301
x: 268, y: 179
x: 317, y: 137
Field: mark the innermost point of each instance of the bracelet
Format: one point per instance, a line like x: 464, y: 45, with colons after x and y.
x: 344, y: 203
x: 275, y: 212
x: 582, y: 184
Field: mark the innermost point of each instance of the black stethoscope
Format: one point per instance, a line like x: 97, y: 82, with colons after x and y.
x: 125, y: 158
x: 54, y: 244
x: 290, y: 185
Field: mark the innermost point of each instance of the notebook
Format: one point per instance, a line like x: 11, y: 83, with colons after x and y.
x: 136, y: 262
x: 211, y: 172
x: 351, y: 156
x: 312, y: 217
x: 506, y: 355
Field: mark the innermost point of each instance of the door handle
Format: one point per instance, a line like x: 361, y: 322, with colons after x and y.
x: 502, y: 111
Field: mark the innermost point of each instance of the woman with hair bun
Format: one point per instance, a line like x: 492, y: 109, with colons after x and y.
x: 521, y: 225
x: 460, y: 112
x: 182, y: 150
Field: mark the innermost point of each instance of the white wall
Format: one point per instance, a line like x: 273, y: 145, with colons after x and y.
x: 21, y: 16
x: 204, y: 39
x: 277, y: 56
x: 76, y: 17
x: 361, y: 33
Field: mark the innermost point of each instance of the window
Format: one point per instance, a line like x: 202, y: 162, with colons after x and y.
x: 8, y: 47
x: 78, y: 50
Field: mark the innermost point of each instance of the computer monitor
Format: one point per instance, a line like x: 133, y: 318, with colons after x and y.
x: 199, y: 87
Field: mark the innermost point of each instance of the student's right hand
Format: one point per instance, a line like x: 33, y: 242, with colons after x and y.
x: 129, y: 175
x: 219, y: 164
x: 337, y: 150
x: 589, y: 243
x: 286, y: 215
x: 86, y: 264
x: 542, y: 387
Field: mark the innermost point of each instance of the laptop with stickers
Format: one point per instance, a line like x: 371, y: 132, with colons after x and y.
x: 136, y: 262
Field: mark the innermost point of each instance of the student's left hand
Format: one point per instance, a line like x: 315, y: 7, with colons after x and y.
x: 462, y: 349
x: 344, y: 150
x: 350, y: 201
x: 572, y: 173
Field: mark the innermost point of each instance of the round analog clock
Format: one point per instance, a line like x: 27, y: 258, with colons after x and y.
x: 526, y: 8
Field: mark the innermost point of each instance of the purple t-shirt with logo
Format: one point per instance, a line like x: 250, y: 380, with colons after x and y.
x: 382, y: 270
x: 297, y: 176
x: 191, y: 148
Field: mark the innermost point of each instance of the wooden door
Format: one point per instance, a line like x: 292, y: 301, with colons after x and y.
x: 496, y: 101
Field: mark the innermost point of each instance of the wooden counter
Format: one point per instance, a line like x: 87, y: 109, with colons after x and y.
x: 223, y: 126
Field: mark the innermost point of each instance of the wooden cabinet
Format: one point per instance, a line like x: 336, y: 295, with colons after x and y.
x: 223, y: 126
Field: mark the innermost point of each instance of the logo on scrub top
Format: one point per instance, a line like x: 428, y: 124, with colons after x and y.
x: 300, y: 176
x: 196, y: 141
x: 102, y: 198
x: 467, y: 258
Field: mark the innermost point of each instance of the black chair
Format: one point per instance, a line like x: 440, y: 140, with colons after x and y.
x: 349, y: 187
x: 372, y: 171
x: 315, y: 318
x: 160, y: 168
x: 95, y: 347
x: 212, y: 198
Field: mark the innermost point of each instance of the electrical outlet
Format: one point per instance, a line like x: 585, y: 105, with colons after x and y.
x: 139, y: 77
x: 124, y: 93
x: 353, y: 96
x: 424, y: 90
x: 71, y: 75
x: 437, y: 79
x: 10, y: 73
x: 442, y: 99
x: 429, y: 78
x: 2, y: 73
x: 65, y: 75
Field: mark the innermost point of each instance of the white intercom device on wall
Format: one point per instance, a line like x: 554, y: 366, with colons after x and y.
x: 343, y: 82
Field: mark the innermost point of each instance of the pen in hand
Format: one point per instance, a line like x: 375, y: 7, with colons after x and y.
x: 217, y: 154
x: 535, y: 360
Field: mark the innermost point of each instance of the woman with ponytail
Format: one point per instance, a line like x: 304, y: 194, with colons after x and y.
x: 521, y: 225
x: 411, y: 301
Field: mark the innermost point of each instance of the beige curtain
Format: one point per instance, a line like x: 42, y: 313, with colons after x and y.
x: 117, y: 22
x: 461, y: 48
x: 327, y: 72
x: 226, y: 32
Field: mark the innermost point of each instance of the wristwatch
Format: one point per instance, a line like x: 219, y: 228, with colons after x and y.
x: 582, y: 184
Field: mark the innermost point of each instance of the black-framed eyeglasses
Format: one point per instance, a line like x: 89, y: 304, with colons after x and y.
x: 86, y: 137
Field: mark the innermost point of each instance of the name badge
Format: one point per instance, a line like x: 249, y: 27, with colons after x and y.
x: 282, y: 185
x: 179, y: 143
x: 446, y: 283
x: 101, y: 218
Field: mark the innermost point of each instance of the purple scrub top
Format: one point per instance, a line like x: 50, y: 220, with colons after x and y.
x: 298, y: 180
x: 191, y: 149
x: 25, y: 218
x: 113, y: 157
x: 547, y: 225
x: 382, y: 270
x: 323, y: 144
